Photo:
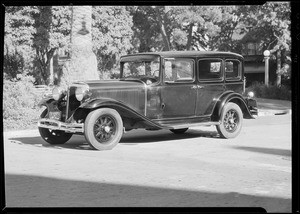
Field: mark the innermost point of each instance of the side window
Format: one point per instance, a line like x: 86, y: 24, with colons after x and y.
x: 210, y: 69
x: 178, y: 70
x: 232, y: 69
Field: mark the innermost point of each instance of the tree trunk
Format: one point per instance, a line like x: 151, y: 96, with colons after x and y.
x: 163, y: 30
x: 278, y: 72
x: 190, y: 37
x: 83, y: 63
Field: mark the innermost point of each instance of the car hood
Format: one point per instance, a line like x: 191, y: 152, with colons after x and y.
x: 131, y: 93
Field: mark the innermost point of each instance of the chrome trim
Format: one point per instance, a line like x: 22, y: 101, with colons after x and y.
x: 235, y: 82
x: 182, y: 118
x: 78, y: 84
x: 58, y: 125
x: 67, y: 107
x: 146, y: 89
x: 195, y: 124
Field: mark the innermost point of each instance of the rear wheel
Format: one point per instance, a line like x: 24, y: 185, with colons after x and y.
x: 179, y: 131
x: 103, y: 128
x: 231, y: 121
x: 53, y: 136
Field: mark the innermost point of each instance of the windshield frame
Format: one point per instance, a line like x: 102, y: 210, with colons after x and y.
x: 140, y: 58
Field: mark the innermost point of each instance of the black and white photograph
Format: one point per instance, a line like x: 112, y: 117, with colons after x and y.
x: 148, y: 106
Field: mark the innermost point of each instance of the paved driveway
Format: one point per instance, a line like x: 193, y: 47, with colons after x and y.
x: 155, y: 168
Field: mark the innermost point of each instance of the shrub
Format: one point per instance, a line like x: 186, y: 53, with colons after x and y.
x: 20, y: 99
x: 270, y: 92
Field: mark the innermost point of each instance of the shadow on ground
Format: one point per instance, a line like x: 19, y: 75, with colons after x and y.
x: 271, y: 151
x: 130, y: 138
x: 37, y: 191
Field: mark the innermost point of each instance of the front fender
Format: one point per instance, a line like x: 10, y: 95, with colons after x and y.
x: 234, y: 97
x: 124, y: 110
x: 46, y: 101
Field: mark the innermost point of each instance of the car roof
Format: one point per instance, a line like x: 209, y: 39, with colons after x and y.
x: 174, y: 54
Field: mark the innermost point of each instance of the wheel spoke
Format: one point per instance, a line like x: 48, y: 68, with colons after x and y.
x: 231, y: 120
x: 104, y: 128
x: 109, y: 122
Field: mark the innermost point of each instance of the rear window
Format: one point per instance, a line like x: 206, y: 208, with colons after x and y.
x: 210, y: 69
x: 232, y: 69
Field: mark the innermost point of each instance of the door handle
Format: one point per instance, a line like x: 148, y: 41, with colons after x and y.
x: 194, y: 87
x: 200, y: 86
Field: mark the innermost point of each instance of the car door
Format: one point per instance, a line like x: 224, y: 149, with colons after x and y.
x: 211, y: 84
x: 179, y: 90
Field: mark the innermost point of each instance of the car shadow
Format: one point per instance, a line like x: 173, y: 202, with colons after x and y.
x: 165, y: 135
x: 129, y: 138
x: 76, y: 142
x: 271, y: 151
x: 39, y: 191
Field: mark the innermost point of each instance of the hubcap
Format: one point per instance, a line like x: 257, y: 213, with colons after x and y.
x: 104, y: 128
x: 231, y: 120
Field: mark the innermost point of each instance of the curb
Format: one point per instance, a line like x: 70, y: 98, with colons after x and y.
x: 269, y: 112
x: 21, y: 133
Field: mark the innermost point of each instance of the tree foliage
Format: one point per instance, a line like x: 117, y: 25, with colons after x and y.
x: 33, y: 33
x: 52, y: 24
x: 18, y: 40
x: 112, y: 32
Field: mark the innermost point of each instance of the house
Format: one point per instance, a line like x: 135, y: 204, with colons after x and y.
x: 252, y: 48
x: 254, y: 63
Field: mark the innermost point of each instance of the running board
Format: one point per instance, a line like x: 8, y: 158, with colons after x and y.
x: 180, y: 126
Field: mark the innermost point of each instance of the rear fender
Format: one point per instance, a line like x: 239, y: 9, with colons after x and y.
x: 231, y: 97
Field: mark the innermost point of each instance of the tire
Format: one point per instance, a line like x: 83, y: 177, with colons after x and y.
x: 231, y: 121
x: 103, y: 128
x: 179, y: 131
x: 53, y: 137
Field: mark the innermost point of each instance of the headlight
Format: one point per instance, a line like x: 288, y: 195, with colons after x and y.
x: 250, y: 94
x: 57, y: 93
x: 81, y: 92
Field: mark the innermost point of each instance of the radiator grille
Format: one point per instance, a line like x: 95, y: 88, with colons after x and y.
x: 73, y: 103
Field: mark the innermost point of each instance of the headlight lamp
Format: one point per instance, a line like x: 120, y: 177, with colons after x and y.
x: 81, y: 92
x: 250, y: 94
x: 57, y: 93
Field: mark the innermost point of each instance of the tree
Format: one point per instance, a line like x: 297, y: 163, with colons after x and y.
x: 146, y: 30
x: 161, y: 14
x: 18, y: 34
x: 83, y: 62
x: 32, y: 34
x: 270, y: 25
x: 229, y: 19
x: 112, y: 36
x: 52, y: 26
x: 198, y: 23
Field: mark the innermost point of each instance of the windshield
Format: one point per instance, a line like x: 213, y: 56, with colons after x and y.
x: 141, y: 67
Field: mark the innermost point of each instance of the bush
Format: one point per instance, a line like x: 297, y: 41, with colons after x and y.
x: 20, y: 99
x: 270, y: 92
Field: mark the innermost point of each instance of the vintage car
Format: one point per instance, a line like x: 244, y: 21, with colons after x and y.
x: 171, y: 90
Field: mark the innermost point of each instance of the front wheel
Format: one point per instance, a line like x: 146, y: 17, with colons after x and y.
x: 53, y: 137
x: 103, y: 128
x: 231, y: 121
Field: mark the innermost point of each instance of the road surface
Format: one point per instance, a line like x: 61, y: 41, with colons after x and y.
x: 155, y: 169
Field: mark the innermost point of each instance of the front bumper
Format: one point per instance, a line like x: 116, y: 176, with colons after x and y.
x: 58, y: 125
